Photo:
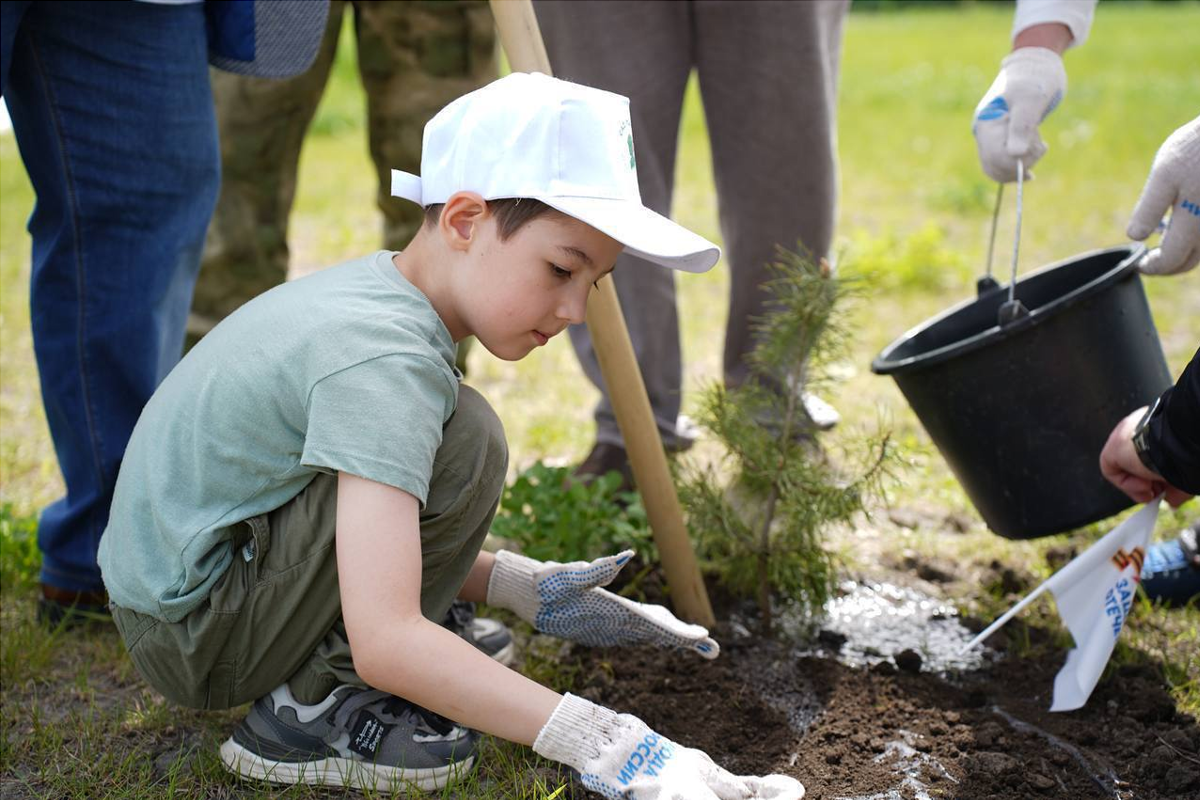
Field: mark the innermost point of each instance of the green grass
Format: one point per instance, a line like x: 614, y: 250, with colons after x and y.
x: 914, y: 211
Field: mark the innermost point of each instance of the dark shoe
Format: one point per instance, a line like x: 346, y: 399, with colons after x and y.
x: 1171, y: 574
x: 362, y: 738
x: 603, y: 459
x: 69, y: 609
x: 490, y: 636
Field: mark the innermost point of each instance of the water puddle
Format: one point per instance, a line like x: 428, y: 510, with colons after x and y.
x: 793, y: 696
x: 869, y: 623
x: 912, y: 766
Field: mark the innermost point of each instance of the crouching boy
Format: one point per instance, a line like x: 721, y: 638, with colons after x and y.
x: 311, y: 486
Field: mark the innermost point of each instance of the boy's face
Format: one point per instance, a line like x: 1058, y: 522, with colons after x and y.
x: 519, y: 293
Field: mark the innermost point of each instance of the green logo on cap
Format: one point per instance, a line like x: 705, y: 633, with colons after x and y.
x: 626, y: 131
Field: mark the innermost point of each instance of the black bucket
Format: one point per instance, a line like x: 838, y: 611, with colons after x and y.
x: 1021, y: 410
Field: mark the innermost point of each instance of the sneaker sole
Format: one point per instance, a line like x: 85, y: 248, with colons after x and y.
x: 339, y: 771
x: 506, y: 655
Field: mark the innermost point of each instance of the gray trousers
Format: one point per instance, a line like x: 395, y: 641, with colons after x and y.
x: 276, y: 613
x: 768, y: 78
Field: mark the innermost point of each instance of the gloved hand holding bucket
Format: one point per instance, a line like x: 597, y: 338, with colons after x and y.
x: 996, y: 381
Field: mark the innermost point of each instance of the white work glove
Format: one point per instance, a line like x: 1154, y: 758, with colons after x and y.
x: 564, y: 600
x: 1174, y: 183
x: 619, y: 757
x: 1031, y: 83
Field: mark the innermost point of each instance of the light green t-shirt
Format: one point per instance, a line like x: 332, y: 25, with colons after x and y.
x: 348, y: 370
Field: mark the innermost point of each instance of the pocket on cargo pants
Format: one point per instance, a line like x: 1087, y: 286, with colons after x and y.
x: 189, y: 661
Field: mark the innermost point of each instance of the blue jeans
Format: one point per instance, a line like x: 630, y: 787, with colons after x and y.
x: 113, y: 115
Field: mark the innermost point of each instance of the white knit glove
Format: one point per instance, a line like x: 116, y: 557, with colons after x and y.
x: 564, y: 600
x: 1174, y: 183
x: 619, y: 757
x: 1031, y: 83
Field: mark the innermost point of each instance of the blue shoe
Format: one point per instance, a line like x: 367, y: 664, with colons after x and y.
x: 1171, y: 574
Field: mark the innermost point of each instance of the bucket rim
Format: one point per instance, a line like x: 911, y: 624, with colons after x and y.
x: 884, y: 364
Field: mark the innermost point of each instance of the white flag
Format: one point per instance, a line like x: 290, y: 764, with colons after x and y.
x: 1094, y: 594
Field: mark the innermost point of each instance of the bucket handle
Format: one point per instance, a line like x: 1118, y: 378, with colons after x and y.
x: 1012, y: 309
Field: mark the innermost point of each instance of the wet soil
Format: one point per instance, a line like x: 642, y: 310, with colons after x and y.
x: 884, y: 732
x: 877, y: 702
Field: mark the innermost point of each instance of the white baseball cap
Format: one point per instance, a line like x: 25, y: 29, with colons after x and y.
x: 569, y: 146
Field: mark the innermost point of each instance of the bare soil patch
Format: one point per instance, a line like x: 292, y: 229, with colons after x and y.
x: 904, y: 733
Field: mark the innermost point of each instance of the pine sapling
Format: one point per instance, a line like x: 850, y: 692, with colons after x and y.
x: 761, y: 512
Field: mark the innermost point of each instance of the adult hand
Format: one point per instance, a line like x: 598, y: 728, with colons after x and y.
x: 565, y: 600
x: 1031, y: 84
x: 1174, y: 183
x: 1121, y: 466
x: 619, y: 757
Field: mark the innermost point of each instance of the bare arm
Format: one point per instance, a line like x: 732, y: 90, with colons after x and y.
x: 1051, y: 35
x: 395, y: 648
x: 475, y: 587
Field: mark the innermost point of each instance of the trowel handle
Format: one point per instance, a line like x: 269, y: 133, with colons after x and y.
x: 520, y: 36
x: 522, y: 42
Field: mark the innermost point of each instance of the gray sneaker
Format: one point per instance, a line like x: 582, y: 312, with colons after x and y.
x: 362, y: 738
x: 488, y: 635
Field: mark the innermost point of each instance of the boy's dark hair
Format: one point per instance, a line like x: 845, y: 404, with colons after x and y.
x: 511, y: 213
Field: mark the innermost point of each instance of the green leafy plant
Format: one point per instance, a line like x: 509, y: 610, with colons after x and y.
x: 759, y: 514
x: 553, y: 517
x: 20, y: 560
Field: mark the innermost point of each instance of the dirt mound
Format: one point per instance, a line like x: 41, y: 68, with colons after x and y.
x: 857, y: 733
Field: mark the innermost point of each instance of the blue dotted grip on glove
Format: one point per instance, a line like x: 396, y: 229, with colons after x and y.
x: 572, y: 606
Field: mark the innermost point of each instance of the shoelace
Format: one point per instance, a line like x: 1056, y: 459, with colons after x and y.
x: 395, y: 707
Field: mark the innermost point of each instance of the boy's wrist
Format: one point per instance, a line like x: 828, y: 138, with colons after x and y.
x: 1054, y: 36
x: 475, y: 587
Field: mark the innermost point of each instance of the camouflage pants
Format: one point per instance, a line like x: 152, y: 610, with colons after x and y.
x: 414, y: 57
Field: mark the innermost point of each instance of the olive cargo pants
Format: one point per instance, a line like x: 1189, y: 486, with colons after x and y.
x: 275, y: 615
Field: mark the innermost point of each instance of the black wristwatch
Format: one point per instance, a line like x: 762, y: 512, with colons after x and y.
x: 1141, y: 436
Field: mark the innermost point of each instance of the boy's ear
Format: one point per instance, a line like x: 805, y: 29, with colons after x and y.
x: 460, y: 219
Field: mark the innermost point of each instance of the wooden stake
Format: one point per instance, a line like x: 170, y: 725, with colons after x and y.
x: 522, y: 42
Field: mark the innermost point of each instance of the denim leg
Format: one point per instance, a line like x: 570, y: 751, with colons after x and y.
x: 113, y: 115
x: 11, y: 12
